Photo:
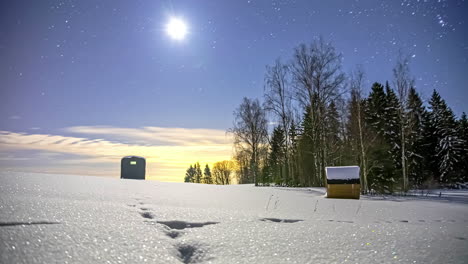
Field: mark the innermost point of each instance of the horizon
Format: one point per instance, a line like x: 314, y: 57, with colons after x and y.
x: 85, y: 84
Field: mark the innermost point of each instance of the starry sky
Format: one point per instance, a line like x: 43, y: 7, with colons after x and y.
x: 83, y: 83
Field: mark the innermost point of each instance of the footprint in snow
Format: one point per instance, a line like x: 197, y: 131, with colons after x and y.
x: 345, y: 221
x: 278, y: 220
x: 182, y: 224
x: 191, y: 253
x: 28, y: 223
x: 147, y: 215
x: 173, y: 234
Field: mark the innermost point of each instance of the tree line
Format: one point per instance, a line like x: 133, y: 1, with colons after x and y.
x: 221, y: 173
x: 323, y: 118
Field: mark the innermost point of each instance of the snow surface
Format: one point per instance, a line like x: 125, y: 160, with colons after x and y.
x: 82, y: 219
x: 342, y: 173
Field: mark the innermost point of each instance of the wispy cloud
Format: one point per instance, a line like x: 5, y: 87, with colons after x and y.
x: 168, y: 150
x: 156, y: 135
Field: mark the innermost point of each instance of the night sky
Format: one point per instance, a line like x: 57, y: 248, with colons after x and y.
x: 106, y: 75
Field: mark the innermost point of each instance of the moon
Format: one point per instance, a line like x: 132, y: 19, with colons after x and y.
x: 176, y: 28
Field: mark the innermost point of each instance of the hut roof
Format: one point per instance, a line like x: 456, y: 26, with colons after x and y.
x: 342, y: 173
x: 131, y: 157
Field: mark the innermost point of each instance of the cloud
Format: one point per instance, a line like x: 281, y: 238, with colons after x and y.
x: 14, y: 117
x: 168, y: 151
x: 157, y: 135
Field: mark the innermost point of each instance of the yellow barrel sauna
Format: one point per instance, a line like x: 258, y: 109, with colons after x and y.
x: 343, y: 182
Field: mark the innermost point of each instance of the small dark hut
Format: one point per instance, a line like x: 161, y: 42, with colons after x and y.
x: 133, y: 167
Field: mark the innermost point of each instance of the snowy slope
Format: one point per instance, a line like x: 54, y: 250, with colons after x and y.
x: 76, y: 219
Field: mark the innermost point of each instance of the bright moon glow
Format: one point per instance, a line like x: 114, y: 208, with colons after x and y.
x: 176, y: 28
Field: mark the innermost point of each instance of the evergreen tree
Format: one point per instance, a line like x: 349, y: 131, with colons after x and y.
x: 375, y: 109
x: 265, y: 175
x: 189, y: 174
x: 293, y: 137
x: 276, y: 160
x: 429, y: 145
x: 415, y: 138
x: 392, y: 134
x: 207, y: 175
x: 463, y: 134
x: 307, y: 151
x: 198, y: 173
x: 448, y: 148
x: 332, y: 135
x: 381, y: 170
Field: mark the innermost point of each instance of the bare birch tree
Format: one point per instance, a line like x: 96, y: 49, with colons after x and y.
x: 278, y: 101
x: 357, y: 82
x: 317, y: 77
x: 222, y: 171
x: 403, y: 82
x: 250, y: 132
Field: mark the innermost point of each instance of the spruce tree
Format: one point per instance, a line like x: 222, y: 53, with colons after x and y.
x: 293, y: 137
x: 207, y: 175
x: 306, y: 151
x: 463, y: 134
x: 392, y: 134
x: 374, y: 118
x: 198, y: 173
x: 352, y: 128
x: 375, y: 109
x: 276, y: 157
x: 189, y: 174
x: 415, y: 140
x: 429, y: 145
x: 332, y: 135
x: 381, y: 171
x: 448, y: 148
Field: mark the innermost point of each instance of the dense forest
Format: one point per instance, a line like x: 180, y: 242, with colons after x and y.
x: 322, y: 117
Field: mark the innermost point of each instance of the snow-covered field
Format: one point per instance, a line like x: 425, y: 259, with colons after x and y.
x: 83, y: 219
